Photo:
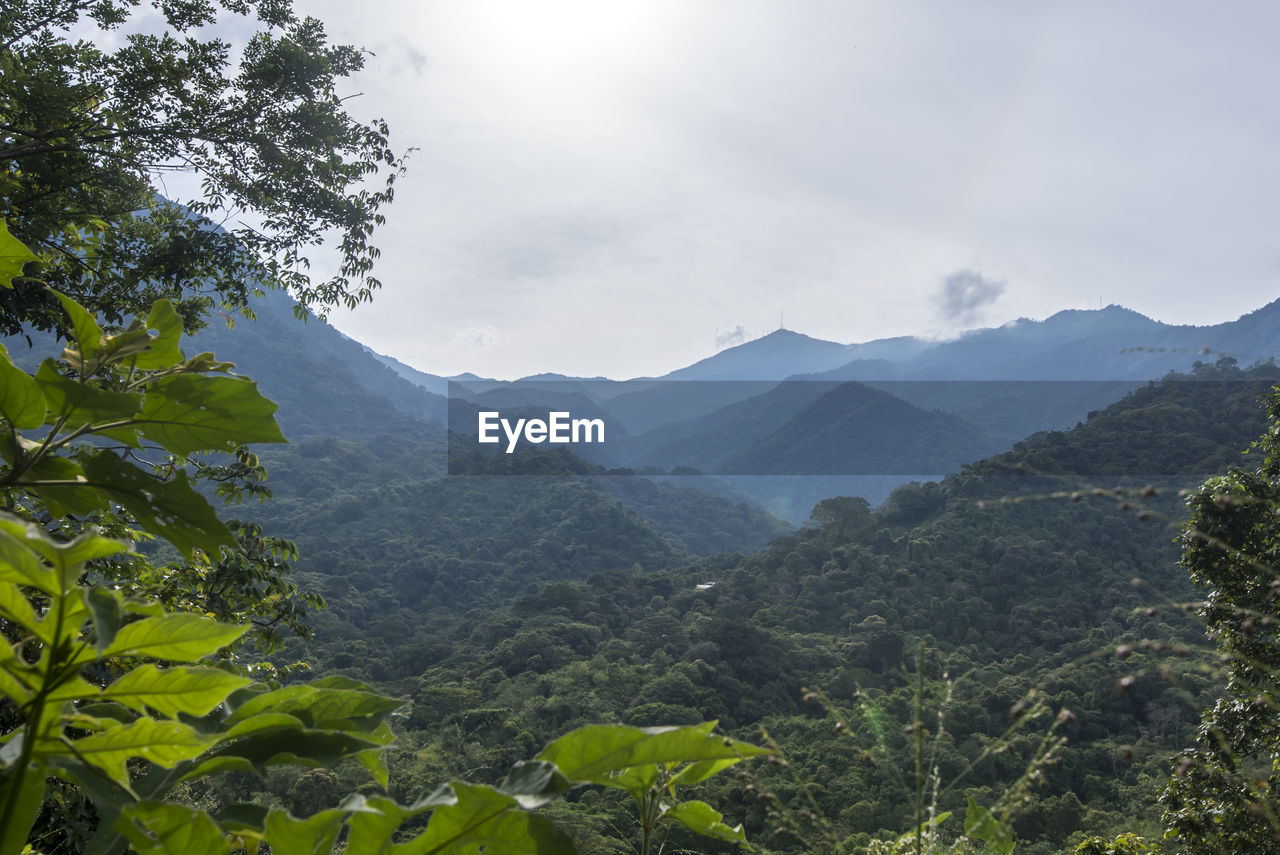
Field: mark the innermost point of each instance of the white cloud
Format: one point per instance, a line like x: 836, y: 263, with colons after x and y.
x: 600, y: 181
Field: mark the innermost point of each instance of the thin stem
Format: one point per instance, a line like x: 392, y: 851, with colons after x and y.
x: 918, y: 727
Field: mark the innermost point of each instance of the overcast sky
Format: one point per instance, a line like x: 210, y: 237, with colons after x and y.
x: 622, y: 188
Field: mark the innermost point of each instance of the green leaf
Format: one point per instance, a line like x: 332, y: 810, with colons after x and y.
x: 67, y: 558
x: 18, y: 680
x: 314, y: 835
x: 374, y: 760
x: 81, y: 404
x: 465, y: 819
x: 18, y: 561
x: 16, y: 608
x: 318, y: 705
x: 189, y: 412
x: 242, y: 816
x: 980, y: 824
x: 534, y: 783
x: 88, y: 335
x: 69, y: 493
x: 176, y: 637
x: 30, y: 786
x: 21, y: 403
x: 13, y: 256
x: 164, y: 350
x: 598, y: 753
x: 169, y: 691
x: 170, y: 509
x: 259, y: 723
x: 106, y: 608
x: 303, y: 747
x: 702, y: 818
x: 164, y: 828
x: 115, y: 348
x: 700, y: 771
x: 164, y: 743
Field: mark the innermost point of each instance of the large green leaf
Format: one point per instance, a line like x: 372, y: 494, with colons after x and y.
x: 164, y: 828
x: 534, y: 783
x: 169, y: 691
x: 164, y: 350
x: 192, y: 412
x: 26, y: 804
x: 465, y: 819
x: 115, y: 348
x: 17, y: 608
x: 58, y: 480
x: 296, y: 746
x: 106, y: 610
x: 164, y: 743
x: 80, y: 404
x: 88, y: 335
x: 176, y: 637
x: 13, y: 255
x: 18, y: 680
x: 22, y: 544
x: 700, y: 771
x: 314, y: 835
x: 319, y: 705
x: 21, y: 402
x: 598, y: 753
x: 170, y: 509
x: 18, y: 561
x: 705, y: 820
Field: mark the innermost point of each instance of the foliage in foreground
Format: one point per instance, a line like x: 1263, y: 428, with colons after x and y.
x: 123, y: 701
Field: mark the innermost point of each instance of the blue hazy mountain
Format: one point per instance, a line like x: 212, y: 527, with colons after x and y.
x: 853, y: 429
x: 323, y: 381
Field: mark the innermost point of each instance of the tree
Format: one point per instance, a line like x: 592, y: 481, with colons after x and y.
x: 1223, y: 796
x: 842, y: 516
x: 89, y: 128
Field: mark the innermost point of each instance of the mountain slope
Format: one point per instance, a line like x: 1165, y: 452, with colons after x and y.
x: 853, y: 429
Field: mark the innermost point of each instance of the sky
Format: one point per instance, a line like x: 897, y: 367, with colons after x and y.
x: 622, y: 188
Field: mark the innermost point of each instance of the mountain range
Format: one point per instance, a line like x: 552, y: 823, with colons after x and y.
x: 784, y: 404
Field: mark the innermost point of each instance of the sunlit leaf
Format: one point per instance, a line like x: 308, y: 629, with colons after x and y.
x: 534, y: 783
x: 164, y: 743
x: 314, y: 835
x: 164, y: 350
x: 164, y: 828
x: 302, y: 747
x: 597, y: 753
x: 13, y: 256
x: 465, y: 818
x: 88, y: 335
x: 169, y: 691
x: 21, y: 402
x: 705, y: 820
x: 188, y: 412
x: 319, y: 705
x: 18, y: 561
x: 176, y: 637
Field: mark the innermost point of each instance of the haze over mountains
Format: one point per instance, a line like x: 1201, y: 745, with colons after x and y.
x: 889, y: 410
x: 935, y: 405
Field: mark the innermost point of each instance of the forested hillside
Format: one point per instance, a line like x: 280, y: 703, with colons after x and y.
x: 512, y: 616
